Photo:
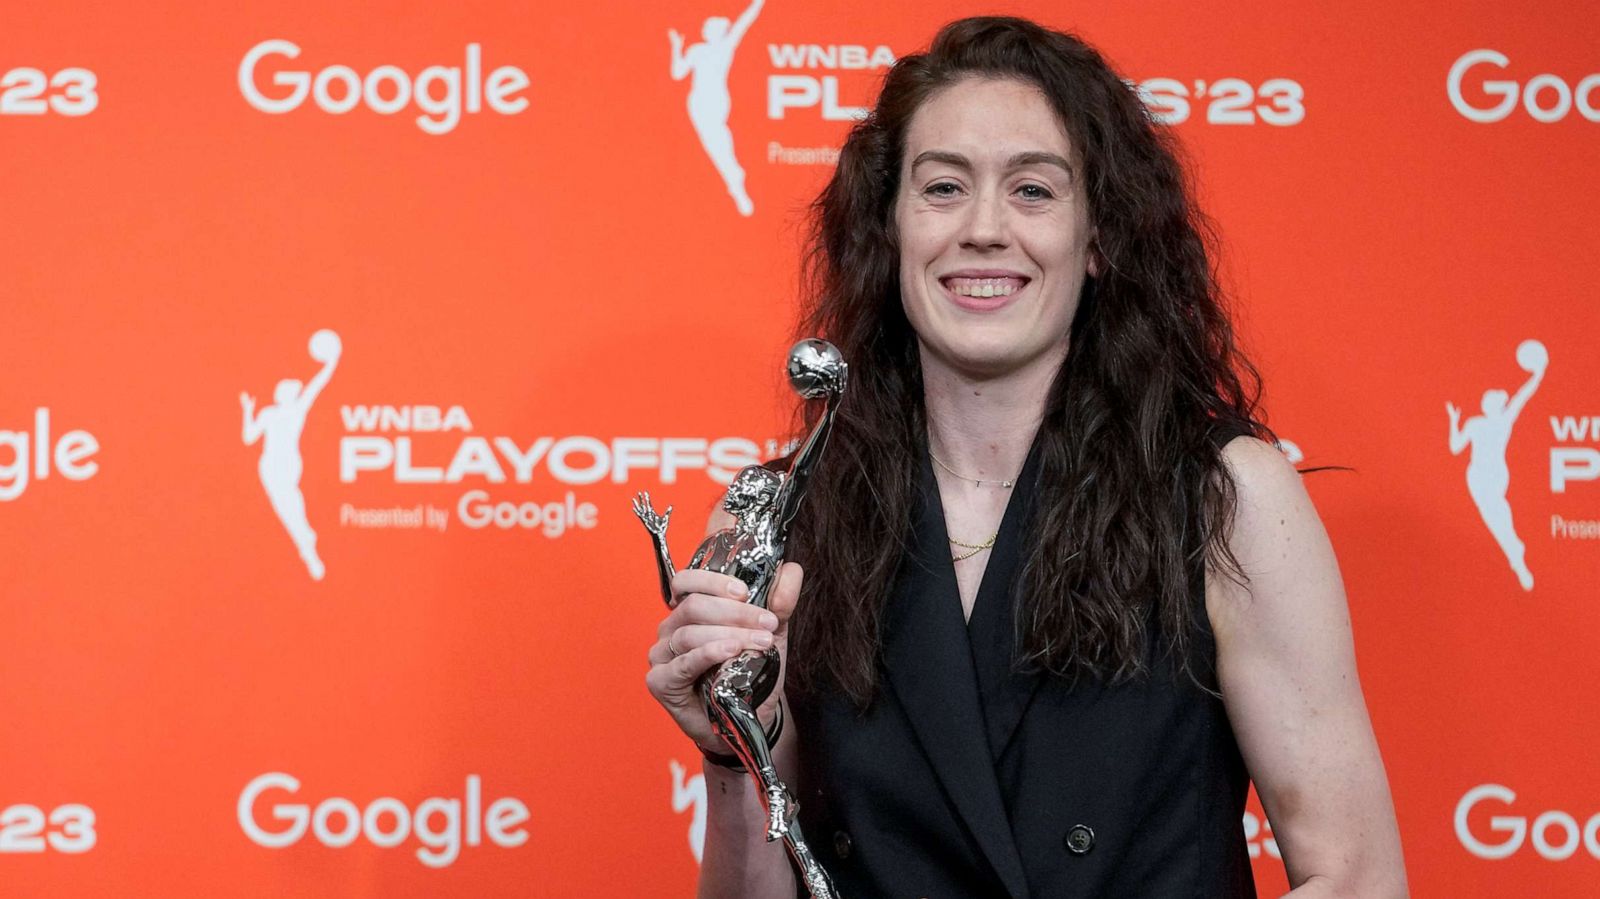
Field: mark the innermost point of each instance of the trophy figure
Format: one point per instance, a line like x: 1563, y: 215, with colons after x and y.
x: 763, y: 503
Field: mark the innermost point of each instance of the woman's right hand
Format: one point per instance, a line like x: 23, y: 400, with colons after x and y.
x: 710, y: 624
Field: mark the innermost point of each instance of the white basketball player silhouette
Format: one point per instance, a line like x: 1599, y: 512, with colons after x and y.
x: 280, y: 466
x: 709, y: 102
x: 686, y: 793
x: 1487, y: 434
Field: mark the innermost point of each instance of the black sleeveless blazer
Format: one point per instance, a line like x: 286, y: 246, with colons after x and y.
x: 964, y: 778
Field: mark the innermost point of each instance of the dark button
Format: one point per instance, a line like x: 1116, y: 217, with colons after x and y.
x: 841, y: 844
x: 1080, y: 839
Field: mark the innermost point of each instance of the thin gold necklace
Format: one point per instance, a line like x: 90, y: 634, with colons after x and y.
x: 979, y: 481
x: 974, y: 548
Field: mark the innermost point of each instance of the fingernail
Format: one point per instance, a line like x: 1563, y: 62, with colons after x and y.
x: 737, y: 589
x: 763, y: 638
x: 769, y: 621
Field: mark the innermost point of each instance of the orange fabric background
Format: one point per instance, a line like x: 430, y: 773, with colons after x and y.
x: 578, y: 269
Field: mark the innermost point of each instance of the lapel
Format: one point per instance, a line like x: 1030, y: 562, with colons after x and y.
x: 992, y: 631
x: 930, y: 669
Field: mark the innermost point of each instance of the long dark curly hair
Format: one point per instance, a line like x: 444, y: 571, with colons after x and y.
x: 1135, y: 496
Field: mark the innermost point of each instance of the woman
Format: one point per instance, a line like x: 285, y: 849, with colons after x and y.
x: 1048, y: 431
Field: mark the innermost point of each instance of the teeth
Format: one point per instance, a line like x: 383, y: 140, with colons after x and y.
x: 983, y: 287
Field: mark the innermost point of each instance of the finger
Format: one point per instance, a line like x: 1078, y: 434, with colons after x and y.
x: 699, y: 580
x: 679, y: 641
x: 680, y: 674
x: 690, y: 636
x: 786, y: 592
x: 698, y: 608
x: 659, y: 653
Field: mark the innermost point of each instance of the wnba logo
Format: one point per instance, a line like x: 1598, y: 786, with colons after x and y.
x: 1487, y: 435
x: 801, y: 78
x: 706, y: 65
x: 278, y: 428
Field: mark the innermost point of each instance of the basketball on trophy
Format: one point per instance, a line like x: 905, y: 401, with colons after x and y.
x: 815, y: 368
x: 325, y: 346
x: 1532, y: 356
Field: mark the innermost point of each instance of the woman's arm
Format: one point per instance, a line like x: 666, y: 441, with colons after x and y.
x: 1287, y: 666
x: 738, y: 861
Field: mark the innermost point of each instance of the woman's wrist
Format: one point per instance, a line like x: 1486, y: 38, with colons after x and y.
x: 724, y: 758
x: 727, y: 761
x: 717, y: 772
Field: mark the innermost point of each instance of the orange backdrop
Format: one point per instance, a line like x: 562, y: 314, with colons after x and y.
x: 546, y: 297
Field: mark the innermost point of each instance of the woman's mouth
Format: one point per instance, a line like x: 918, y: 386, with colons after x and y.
x: 982, y: 293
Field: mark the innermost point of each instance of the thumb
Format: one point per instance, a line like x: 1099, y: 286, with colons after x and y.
x: 786, y: 594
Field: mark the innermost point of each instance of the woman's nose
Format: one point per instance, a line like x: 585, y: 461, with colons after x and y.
x: 986, y: 226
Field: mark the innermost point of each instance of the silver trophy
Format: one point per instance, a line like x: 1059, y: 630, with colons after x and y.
x: 763, y: 503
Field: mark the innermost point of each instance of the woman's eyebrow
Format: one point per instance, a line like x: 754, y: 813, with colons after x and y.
x: 945, y: 156
x: 1038, y: 157
x: 1017, y: 161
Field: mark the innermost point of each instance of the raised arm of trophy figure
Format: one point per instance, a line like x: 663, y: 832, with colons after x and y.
x: 795, y: 481
x: 657, y: 526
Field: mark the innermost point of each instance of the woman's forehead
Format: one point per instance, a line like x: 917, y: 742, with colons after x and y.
x: 987, y: 120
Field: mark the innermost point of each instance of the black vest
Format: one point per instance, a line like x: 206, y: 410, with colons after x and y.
x: 964, y: 778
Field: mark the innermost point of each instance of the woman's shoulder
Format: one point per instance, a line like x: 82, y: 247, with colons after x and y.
x: 1275, y: 534
x: 1260, y: 471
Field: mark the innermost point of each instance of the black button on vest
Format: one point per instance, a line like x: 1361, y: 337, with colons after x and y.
x: 1080, y: 839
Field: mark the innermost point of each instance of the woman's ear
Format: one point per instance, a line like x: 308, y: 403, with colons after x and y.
x: 1094, y: 262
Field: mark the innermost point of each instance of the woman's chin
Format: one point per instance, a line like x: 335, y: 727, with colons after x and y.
x: 983, y: 362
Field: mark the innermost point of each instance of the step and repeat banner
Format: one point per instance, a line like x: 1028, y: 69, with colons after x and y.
x: 337, y: 336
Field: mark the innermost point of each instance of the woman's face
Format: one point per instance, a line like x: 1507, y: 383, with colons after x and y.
x: 993, y: 228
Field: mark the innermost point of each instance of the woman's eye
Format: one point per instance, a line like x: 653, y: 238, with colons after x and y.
x: 942, y: 190
x: 1034, y: 192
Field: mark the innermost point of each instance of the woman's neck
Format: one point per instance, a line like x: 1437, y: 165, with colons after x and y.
x: 982, y: 427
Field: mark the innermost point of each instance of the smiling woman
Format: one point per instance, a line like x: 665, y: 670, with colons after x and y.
x: 1062, y: 599
x: 994, y: 234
